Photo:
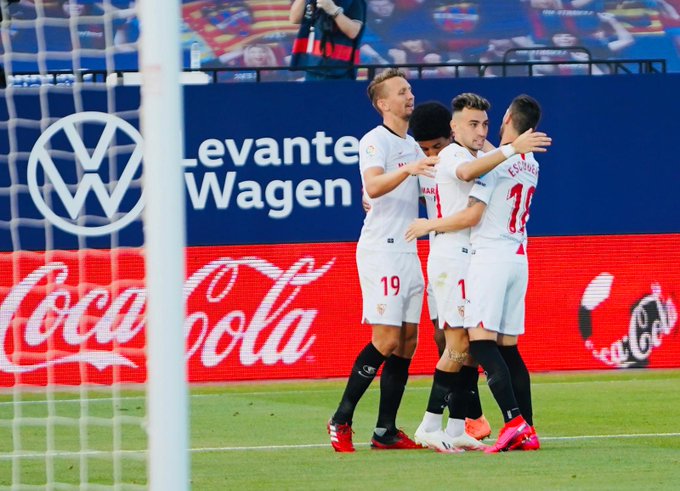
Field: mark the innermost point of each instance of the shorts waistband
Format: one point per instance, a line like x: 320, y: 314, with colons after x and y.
x: 452, y: 250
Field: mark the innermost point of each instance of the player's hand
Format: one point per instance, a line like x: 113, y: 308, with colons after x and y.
x: 423, y: 167
x: 531, y: 141
x: 364, y: 203
x: 327, y: 5
x: 418, y: 228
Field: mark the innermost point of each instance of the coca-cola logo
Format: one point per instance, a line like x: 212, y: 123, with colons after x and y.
x: 652, y: 317
x: 58, y: 315
x: 287, y: 329
x: 47, y: 320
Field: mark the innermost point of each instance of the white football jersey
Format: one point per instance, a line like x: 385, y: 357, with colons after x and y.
x: 452, y: 196
x: 390, y: 214
x: 428, y: 191
x: 507, y: 192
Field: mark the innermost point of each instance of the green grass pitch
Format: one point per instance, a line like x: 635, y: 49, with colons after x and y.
x: 605, y: 430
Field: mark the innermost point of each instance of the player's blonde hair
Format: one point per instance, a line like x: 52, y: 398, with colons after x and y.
x: 376, y: 87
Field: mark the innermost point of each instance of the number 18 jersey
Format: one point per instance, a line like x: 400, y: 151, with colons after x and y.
x: 507, y: 192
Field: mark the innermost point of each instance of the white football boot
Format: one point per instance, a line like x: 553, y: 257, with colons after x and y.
x: 437, y: 440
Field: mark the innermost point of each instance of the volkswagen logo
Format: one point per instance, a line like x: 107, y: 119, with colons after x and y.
x: 67, y: 204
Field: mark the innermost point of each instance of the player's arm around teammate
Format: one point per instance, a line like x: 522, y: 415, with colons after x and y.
x: 378, y: 183
x: 461, y: 162
x: 431, y: 127
x: 455, y: 375
x: 467, y: 218
x: 498, y: 278
x: 529, y: 141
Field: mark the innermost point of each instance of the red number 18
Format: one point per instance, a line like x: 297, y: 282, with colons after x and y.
x: 518, y: 215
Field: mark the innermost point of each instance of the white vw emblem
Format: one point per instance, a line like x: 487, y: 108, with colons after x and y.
x: 90, y: 180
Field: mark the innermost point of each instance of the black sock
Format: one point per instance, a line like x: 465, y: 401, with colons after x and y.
x: 392, y: 385
x: 458, y: 402
x: 498, y: 377
x: 365, y: 367
x: 469, y: 379
x: 521, y: 381
x: 442, y: 384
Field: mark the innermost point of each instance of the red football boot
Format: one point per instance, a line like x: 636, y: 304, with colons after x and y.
x: 400, y: 441
x: 341, y: 436
x: 511, y: 435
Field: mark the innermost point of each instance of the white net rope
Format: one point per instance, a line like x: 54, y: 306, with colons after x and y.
x: 71, y: 260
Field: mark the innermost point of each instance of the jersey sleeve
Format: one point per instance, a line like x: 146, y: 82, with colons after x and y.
x: 451, y: 158
x: 484, y: 186
x: 372, y: 153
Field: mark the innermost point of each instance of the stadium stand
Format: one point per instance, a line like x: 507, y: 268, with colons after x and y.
x: 437, y: 38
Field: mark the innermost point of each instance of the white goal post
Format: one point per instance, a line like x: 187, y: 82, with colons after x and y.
x: 162, y: 128
x: 93, y: 377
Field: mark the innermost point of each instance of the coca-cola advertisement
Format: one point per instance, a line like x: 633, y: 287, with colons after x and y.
x: 273, y: 213
x: 294, y: 311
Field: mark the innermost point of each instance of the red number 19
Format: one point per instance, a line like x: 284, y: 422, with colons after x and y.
x: 393, y: 282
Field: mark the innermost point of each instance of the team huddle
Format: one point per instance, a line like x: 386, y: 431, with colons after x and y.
x: 478, y: 200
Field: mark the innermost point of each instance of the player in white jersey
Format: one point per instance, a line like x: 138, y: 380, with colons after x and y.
x: 430, y: 125
x: 390, y: 273
x: 498, y: 278
x: 448, y: 261
x: 498, y: 210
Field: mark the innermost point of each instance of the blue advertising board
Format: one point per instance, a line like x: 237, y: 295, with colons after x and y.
x: 610, y: 169
x: 277, y: 163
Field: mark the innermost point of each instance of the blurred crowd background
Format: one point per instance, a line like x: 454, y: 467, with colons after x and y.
x: 257, y: 33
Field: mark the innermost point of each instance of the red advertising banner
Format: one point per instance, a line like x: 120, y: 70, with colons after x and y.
x: 603, y: 301
x: 294, y: 311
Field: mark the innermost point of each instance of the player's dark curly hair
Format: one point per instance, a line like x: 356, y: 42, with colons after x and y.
x: 525, y: 112
x: 470, y: 101
x: 429, y: 121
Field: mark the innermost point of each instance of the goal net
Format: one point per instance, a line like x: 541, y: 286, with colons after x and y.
x: 74, y: 342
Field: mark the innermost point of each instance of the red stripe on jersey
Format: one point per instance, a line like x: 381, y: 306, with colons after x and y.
x: 437, y: 201
x: 520, y: 250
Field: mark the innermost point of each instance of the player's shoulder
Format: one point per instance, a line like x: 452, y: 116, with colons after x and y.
x: 375, y: 140
x: 377, y: 133
x: 454, y: 154
x: 453, y: 151
x: 531, y: 157
x: 518, y: 165
x: 410, y: 140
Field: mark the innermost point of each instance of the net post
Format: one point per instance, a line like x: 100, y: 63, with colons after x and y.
x: 162, y: 128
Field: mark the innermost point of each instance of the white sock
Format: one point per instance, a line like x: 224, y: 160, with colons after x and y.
x: 431, y: 421
x: 455, y: 427
x: 380, y: 431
